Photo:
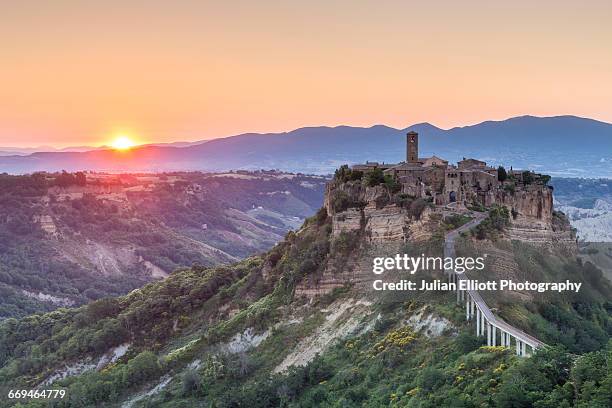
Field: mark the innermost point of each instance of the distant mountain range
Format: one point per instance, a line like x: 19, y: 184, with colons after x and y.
x: 561, y: 145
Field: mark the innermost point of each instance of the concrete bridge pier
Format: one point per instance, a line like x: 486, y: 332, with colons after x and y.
x: 521, y: 348
x: 477, y: 322
x: 482, y: 323
x: 472, y: 306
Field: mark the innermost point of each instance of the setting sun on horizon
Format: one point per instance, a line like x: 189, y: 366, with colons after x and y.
x: 122, y: 142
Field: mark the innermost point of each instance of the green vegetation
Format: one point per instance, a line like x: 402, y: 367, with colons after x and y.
x: 455, y: 221
x: 152, y: 317
x: 345, y: 174
x: 415, y: 206
x: 374, y: 177
x: 528, y: 177
x: 502, y: 175
x: 180, y: 331
x: 342, y: 201
x: 497, y: 221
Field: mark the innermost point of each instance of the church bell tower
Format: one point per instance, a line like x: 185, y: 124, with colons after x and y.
x: 412, y: 147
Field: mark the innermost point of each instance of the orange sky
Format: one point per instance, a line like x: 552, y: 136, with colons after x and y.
x: 73, y: 73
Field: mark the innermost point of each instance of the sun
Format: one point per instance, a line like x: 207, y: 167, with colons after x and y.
x: 122, y: 142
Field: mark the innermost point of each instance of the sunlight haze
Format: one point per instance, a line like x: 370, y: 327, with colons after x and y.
x: 74, y: 71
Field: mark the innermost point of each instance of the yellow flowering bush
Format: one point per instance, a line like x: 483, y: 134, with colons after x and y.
x: 400, y: 338
x: 493, y: 349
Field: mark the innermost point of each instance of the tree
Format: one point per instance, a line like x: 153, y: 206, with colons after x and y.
x: 144, y: 367
x: 502, y: 175
x: 392, y: 185
x: 80, y: 178
x: 65, y: 179
x: 527, y: 177
x: 374, y: 177
x: 100, y: 309
x: 344, y: 174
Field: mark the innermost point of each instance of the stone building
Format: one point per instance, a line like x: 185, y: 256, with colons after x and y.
x: 434, y: 178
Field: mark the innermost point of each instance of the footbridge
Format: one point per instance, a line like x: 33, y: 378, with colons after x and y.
x: 497, y: 331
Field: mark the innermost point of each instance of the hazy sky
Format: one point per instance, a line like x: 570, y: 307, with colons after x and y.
x: 75, y: 72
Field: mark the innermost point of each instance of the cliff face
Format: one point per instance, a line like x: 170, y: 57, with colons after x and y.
x: 376, y: 222
x: 383, y: 218
x: 533, y: 219
x: 379, y: 222
x: 378, y: 214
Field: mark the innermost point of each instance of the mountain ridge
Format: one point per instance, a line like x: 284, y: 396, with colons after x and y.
x: 560, y: 145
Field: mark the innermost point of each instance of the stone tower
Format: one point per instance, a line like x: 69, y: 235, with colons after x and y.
x: 412, y: 147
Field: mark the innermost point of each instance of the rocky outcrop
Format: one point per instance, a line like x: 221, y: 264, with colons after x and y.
x: 372, y: 211
x: 533, y: 218
x: 529, y: 204
x: 378, y: 220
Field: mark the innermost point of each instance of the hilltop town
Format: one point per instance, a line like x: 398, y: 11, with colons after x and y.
x: 386, y: 200
x: 469, y: 182
x: 415, y: 202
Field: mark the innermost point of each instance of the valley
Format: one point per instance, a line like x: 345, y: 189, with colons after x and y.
x: 588, y: 204
x: 67, y: 239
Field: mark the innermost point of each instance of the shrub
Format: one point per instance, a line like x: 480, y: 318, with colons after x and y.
x: 497, y: 221
x: 321, y: 216
x: 528, y: 177
x: 340, y: 201
x: 144, y: 367
x: 467, y: 342
x: 191, y: 382
x: 344, y: 174
x: 431, y: 378
x: 374, y: 177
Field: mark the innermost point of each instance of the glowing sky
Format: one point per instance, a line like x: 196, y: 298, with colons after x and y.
x: 75, y: 72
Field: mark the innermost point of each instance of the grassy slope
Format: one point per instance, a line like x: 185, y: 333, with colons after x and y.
x: 191, y: 316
